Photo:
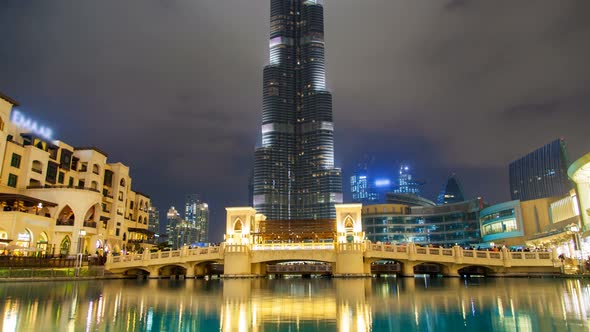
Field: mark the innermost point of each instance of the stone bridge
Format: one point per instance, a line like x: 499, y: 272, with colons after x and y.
x: 342, y: 259
x: 347, y: 254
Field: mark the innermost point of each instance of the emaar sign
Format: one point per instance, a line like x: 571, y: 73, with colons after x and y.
x: 21, y: 121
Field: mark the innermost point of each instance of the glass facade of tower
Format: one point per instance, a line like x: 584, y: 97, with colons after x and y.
x: 541, y: 173
x: 196, y: 213
x: 179, y: 231
x: 441, y: 224
x: 294, y: 173
x: 154, y: 222
x: 451, y: 192
x: 405, y: 183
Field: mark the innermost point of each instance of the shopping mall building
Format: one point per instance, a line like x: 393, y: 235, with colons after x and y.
x: 57, y: 199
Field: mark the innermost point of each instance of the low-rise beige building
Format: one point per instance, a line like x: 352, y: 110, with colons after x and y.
x: 57, y: 199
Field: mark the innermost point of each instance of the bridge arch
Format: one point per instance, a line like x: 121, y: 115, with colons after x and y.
x: 431, y: 268
x: 209, y: 267
x: 305, y: 267
x: 137, y: 272
x: 173, y: 270
x: 471, y: 270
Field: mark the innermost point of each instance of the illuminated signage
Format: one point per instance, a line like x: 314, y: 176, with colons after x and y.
x: 23, y: 122
x: 26, y: 237
x: 382, y: 182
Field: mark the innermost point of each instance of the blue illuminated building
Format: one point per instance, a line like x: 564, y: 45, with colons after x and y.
x: 361, y: 189
x: 367, y: 189
x: 405, y: 182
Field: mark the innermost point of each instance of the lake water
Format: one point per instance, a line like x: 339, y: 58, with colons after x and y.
x: 387, y: 304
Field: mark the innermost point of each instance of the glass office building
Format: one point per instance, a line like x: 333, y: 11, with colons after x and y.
x: 451, y: 192
x: 449, y: 224
x: 502, y: 221
x: 294, y: 173
x: 541, y: 173
x: 196, y: 213
x: 406, y: 184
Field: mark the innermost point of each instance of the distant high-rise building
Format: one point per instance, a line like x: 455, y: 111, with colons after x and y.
x: 451, y: 192
x: 154, y: 222
x: 180, y: 232
x: 360, y: 189
x: 405, y: 182
x: 196, y: 213
x: 202, y: 222
x: 190, y: 206
x: 294, y: 173
x: 541, y: 173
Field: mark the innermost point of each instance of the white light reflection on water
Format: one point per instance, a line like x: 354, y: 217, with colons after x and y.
x: 10, y: 316
x: 298, y: 305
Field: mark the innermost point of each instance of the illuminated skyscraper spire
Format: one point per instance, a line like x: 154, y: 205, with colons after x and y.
x: 294, y: 173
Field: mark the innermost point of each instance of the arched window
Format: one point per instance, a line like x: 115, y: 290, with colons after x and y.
x: 43, y: 238
x: 124, y: 236
x: 95, y: 169
x: 43, y: 242
x: 348, y: 223
x: 238, y: 226
x: 140, y: 207
x: 3, y: 234
x: 37, y: 166
x: 140, y: 220
x: 90, y: 217
x: 122, y: 183
x: 64, y: 247
x: 1, y: 123
x: 94, y: 185
x: 66, y: 217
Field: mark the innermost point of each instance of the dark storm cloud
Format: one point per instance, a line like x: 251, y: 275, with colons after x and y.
x: 173, y: 88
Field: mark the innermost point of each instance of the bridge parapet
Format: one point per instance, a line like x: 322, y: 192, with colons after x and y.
x: 236, y: 248
x: 458, y: 255
x: 147, y: 259
x: 354, y: 247
x: 294, y: 246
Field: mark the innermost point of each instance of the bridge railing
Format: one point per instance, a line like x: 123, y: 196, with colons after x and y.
x: 412, y: 251
x: 172, y: 254
x: 294, y: 246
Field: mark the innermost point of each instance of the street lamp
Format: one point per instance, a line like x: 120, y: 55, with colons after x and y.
x: 79, y: 254
x: 574, y: 229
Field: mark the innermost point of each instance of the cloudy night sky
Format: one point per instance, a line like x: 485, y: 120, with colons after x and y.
x: 174, y: 88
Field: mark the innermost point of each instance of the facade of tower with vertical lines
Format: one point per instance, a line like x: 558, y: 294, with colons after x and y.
x: 294, y: 173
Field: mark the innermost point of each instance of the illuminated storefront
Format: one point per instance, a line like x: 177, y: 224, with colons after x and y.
x: 579, y: 172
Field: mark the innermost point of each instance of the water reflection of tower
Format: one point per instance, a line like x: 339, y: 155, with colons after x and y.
x: 302, y: 304
x: 353, y: 311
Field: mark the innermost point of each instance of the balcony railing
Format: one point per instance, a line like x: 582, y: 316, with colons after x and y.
x: 91, y: 224
x: 47, y: 186
x: 69, y: 222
